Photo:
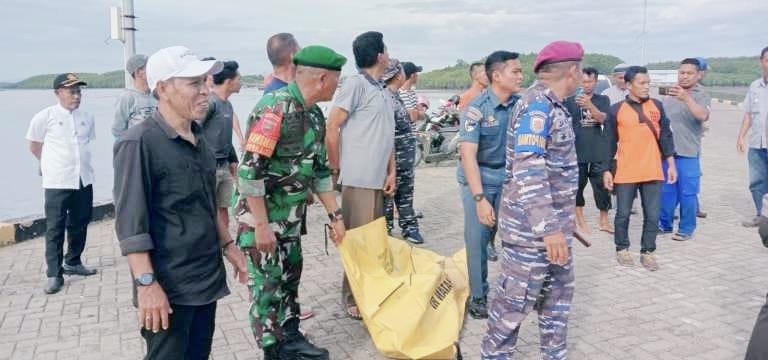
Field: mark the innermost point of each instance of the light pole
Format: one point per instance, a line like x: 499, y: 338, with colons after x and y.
x: 129, y: 41
x: 642, y: 41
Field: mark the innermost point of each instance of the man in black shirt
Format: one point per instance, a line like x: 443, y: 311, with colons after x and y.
x: 588, y: 111
x: 165, y: 208
x: 217, y: 129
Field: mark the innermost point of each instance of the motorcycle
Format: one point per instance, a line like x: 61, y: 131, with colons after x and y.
x: 437, y: 138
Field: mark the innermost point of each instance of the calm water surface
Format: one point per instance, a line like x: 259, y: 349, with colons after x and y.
x: 20, y: 185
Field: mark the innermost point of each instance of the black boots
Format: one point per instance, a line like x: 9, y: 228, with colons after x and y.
x: 295, y: 346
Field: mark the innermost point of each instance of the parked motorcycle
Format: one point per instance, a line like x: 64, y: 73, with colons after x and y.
x: 437, y: 138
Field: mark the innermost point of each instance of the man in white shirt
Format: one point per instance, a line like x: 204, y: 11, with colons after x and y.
x: 60, y: 137
x: 618, y: 91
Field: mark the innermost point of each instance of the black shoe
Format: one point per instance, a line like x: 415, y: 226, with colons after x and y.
x: 272, y: 352
x: 477, y: 308
x: 78, y: 270
x: 414, y: 237
x: 296, y: 346
x: 54, y: 285
x: 492, y: 255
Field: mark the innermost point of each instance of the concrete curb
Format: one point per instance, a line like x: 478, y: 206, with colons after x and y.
x: 18, y: 230
x: 727, y: 102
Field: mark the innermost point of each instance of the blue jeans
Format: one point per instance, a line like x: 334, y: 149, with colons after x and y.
x: 684, y: 192
x: 758, y: 176
x: 476, y: 238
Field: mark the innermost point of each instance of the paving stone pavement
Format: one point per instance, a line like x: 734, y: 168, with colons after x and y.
x: 700, y: 305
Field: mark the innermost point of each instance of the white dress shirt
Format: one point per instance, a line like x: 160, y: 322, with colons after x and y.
x: 66, y: 137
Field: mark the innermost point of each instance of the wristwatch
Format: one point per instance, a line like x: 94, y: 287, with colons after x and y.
x: 336, y: 215
x: 145, y: 279
x: 335, y: 172
x: 478, y: 197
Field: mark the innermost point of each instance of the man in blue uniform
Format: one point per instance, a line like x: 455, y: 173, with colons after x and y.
x: 480, y: 173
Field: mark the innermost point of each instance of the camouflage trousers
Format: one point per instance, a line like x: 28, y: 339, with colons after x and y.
x: 403, y: 197
x: 274, y: 287
x: 527, y: 282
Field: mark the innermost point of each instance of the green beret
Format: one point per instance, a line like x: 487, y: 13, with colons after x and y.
x: 320, y: 57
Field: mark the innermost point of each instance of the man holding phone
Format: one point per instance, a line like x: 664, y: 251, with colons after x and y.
x: 687, y: 107
x: 588, y: 111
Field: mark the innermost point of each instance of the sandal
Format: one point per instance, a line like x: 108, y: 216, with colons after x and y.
x: 607, y: 228
x: 306, y: 315
x: 353, y: 312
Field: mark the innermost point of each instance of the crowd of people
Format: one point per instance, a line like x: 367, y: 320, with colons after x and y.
x: 526, y: 156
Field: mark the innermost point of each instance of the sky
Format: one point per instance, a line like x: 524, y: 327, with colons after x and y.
x: 57, y: 36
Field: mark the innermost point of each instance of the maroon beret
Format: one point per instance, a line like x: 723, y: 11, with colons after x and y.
x: 558, y: 51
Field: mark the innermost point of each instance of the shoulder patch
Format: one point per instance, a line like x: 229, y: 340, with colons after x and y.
x: 264, y: 133
x: 473, y: 116
x: 538, y: 120
x: 531, y: 130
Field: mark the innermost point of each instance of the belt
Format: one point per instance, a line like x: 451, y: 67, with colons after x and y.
x: 491, y: 166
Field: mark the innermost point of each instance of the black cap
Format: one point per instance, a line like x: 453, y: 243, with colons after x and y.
x: 410, y: 68
x: 67, y: 80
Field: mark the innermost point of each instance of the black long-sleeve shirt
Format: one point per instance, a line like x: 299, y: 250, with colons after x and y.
x: 164, y: 205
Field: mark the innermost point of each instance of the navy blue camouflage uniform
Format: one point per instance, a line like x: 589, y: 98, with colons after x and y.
x: 538, y: 200
x: 483, y: 122
x: 405, y: 155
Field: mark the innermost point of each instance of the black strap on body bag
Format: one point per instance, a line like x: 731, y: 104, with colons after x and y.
x: 644, y: 119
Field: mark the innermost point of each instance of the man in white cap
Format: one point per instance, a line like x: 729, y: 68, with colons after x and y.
x: 166, y: 222
x: 137, y: 104
x: 618, y: 91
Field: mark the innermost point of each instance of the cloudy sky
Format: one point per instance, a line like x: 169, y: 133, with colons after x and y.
x: 57, y: 36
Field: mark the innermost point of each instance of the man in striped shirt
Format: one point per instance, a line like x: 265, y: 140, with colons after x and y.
x: 407, y: 94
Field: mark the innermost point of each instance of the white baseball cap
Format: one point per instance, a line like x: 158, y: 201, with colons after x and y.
x: 177, y: 61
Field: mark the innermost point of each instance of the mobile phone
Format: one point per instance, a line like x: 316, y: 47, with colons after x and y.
x: 664, y: 90
x: 579, y: 91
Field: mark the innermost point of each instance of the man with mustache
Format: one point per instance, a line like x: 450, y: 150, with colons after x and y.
x: 285, y: 157
x: 639, y: 128
x: 165, y: 212
x: 60, y: 138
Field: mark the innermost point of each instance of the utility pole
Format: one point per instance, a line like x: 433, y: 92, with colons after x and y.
x: 129, y: 40
x: 643, y: 34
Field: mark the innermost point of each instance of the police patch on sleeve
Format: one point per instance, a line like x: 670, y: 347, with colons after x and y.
x: 474, y: 115
x: 532, y: 129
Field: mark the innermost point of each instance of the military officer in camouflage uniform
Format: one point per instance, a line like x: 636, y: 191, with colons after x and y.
x: 285, y: 158
x: 537, y: 210
x: 405, y: 153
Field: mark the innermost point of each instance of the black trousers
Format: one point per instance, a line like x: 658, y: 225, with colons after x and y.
x: 650, y: 195
x: 758, y: 342
x: 189, y: 335
x: 70, y: 210
x: 588, y: 171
